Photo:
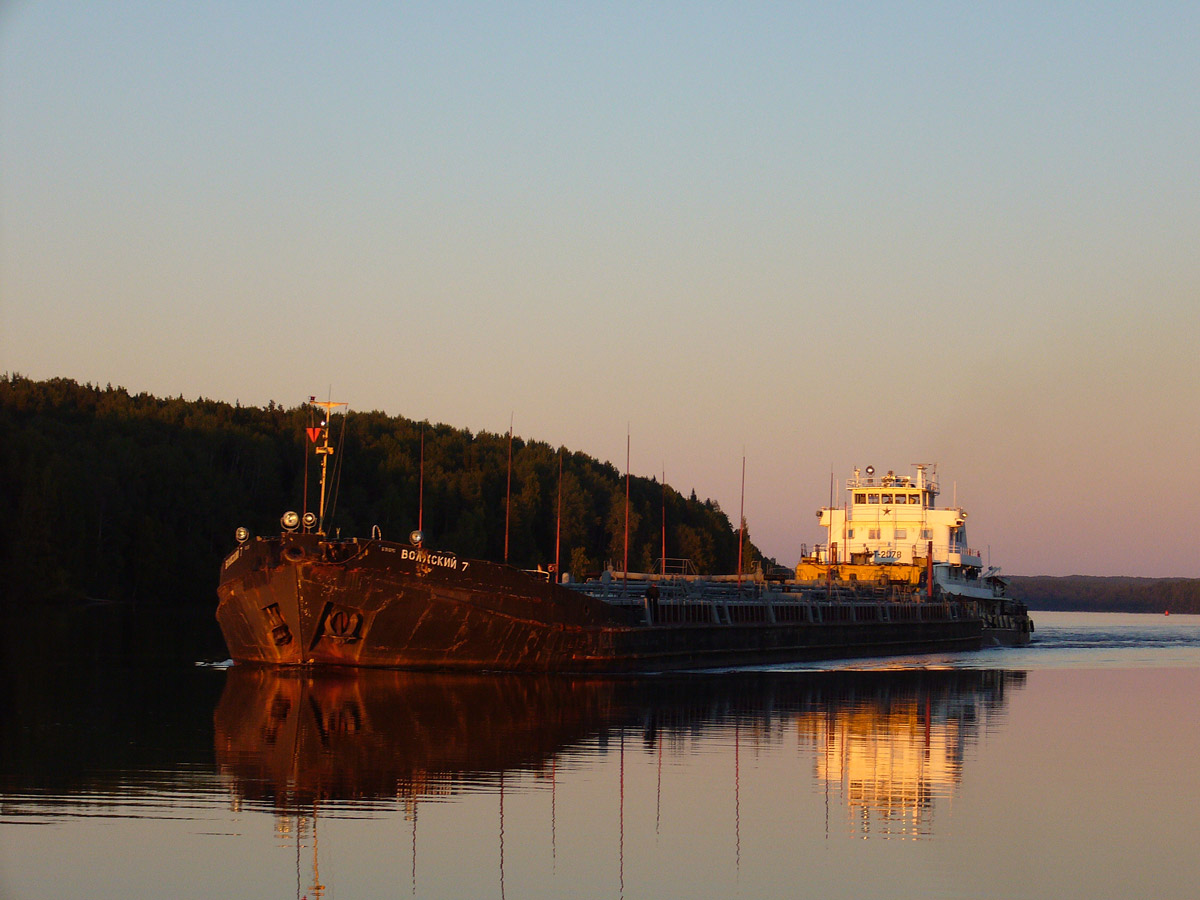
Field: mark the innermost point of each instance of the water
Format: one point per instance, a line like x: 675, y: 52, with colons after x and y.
x: 1065, y: 769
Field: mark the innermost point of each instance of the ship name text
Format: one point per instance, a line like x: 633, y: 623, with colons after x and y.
x: 430, y: 559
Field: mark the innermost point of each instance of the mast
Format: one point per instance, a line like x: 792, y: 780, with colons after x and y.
x: 508, y: 490
x: 625, y: 565
x: 558, y: 523
x: 312, y: 436
x: 421, y: 489
x: 324, y: 451
x: 829, y: 540
x: 742, y: 523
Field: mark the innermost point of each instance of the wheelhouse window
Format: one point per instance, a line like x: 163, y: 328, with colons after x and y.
x: 872, y: 498
x: 887, y: 498
x: 860, y: 498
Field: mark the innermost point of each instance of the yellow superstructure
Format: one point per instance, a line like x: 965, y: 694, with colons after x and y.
x: 810, y: 569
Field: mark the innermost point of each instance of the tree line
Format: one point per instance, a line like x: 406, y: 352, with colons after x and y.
x: 130, y: 497
x: 1090, y: 593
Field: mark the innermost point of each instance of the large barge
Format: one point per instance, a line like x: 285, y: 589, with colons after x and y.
x: 302, y: 598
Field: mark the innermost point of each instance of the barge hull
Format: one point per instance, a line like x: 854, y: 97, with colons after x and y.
x: 300, y: 600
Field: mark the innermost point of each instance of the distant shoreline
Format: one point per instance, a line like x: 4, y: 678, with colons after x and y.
x: 1096, y: 593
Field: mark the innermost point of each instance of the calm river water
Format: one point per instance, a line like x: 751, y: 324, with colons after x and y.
x: 1070, y: 768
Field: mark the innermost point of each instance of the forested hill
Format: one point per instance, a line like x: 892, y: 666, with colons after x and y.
x: 128, y: 497
x: 1085, y: 593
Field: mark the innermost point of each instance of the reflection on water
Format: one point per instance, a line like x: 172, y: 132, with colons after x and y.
x: 879, y: 750
x: 890, y: 759
x: 885, y: 746
x: 893, y: 740
x: 1072, y: 776
x: 294, y: 738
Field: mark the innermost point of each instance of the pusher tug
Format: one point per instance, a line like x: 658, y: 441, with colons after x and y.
x: 890, y: 531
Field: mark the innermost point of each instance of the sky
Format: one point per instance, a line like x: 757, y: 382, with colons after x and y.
x: 814, y: 236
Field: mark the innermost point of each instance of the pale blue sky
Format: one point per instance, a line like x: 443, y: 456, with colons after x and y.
x: 825, y: 234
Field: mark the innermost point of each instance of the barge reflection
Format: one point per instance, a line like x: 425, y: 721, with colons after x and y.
x: 883, y: 745
x: 890, y: 741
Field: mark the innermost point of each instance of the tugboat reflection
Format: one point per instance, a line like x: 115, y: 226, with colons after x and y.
x: 885, y: 745
x: 888, y: 750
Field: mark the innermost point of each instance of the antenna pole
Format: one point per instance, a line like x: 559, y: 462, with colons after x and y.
x: 304, y: 507
x: 324, y: 451
x: 558, y: 526
x: 508, y: 490
x: 508, y: 495
x: 742, y: 525
x: 625, y: 564
x: 662, y: 570
x: 829, y: 540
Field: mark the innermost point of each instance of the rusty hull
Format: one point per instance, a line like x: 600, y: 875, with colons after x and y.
x: 299, y: 599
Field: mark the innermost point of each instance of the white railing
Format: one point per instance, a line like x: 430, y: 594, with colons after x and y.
x: 892, y: 481
x: 896, y: 551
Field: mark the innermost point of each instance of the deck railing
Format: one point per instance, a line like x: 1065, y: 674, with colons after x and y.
x: 918, y: 549
x: 722, y: 603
